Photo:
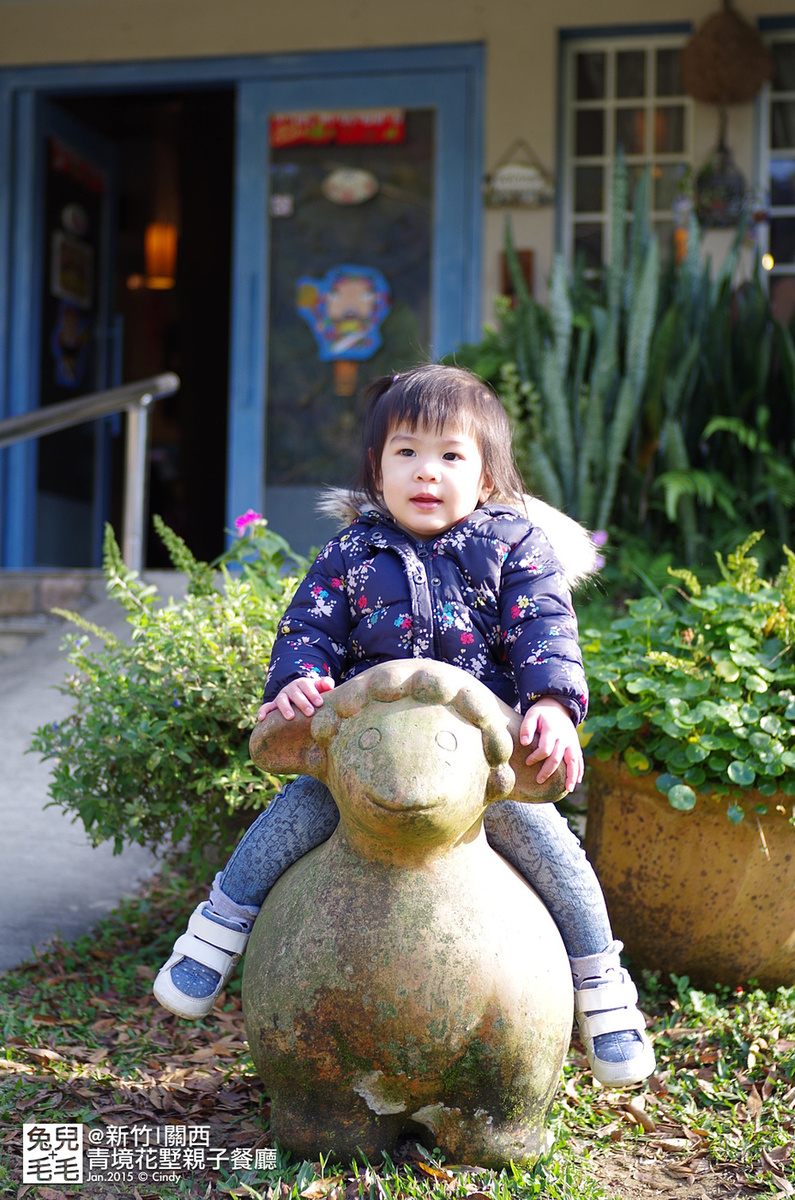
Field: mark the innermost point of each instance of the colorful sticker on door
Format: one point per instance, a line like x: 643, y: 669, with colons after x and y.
x: 345, y: 310
x: 364, y: 127
x: 69, y: 344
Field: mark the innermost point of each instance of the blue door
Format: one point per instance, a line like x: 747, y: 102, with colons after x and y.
x: 332, y: 281
x: 60, y: 334
x: 356, y: 254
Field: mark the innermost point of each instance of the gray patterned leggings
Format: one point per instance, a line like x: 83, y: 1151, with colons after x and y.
x: 534, y: 838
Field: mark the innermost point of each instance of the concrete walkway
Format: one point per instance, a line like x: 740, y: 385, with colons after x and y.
x: 54, y: 881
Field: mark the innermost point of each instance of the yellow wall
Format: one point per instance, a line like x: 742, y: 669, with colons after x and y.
x: 520, y: 36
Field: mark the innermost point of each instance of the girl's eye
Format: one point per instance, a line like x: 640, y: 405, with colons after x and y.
x: 452, y: 455
x: 406, y: 451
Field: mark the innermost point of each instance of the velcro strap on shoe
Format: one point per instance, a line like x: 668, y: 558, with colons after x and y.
x: 615, y: 994
x: 230, y: 940
x: 210, y: 956
x: 618, y: 1020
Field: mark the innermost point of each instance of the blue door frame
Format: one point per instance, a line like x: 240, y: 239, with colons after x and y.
x: 36, y: 121
x: 448, y: 79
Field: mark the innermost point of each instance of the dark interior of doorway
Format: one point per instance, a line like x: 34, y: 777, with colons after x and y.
x: 175, y: 165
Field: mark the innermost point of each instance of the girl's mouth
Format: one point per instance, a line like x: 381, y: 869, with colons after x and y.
x: 424, y: 501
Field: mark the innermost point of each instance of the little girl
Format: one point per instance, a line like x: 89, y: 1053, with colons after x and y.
x: 445, y: 559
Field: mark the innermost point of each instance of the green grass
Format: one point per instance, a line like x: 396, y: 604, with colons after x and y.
x: 84, y: 1041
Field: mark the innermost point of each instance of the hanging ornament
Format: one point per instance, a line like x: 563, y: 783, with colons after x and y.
x: 721, y: 193
x: 518, y: 180
x: 724, y: 62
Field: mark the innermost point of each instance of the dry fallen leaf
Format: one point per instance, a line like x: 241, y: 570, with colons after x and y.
x: 776, y: 1158
x: 321, y: 1187
x: 44, y: 1053
x: 639, y: 1114
x: 754, y: 1103
x: 436, y: 1173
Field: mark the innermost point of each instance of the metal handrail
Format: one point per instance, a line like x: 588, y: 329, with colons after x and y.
x: 135, y: 398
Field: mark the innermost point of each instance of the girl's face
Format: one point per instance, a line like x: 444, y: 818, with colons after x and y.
x: 431, y: 480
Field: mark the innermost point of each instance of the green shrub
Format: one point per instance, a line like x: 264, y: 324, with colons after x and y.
x: 155, y: 749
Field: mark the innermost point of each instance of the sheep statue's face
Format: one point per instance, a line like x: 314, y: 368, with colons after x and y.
x: 410, y: 759
x: 416, y: 769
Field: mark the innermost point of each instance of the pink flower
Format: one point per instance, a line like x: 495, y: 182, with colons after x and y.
x: 248, y: 518
x: 362, y: 602
x: 467, y: 638
x: 516, y: 611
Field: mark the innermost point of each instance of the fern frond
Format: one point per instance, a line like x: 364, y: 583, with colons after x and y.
x: 745, y: 435
x: 707, y: 487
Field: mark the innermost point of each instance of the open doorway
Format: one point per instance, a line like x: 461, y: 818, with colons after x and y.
x: 175, y: 164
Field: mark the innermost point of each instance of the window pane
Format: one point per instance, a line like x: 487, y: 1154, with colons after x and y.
x: 782, y: 298
x: 782, y: 181
x: 630, y: 74
x: 588, y: 243
x: 667, y: 184
x: 590, y: 76
x: 782, y: 124
x: 631, y: 130
x: 588, y: 189
x: 590, y: 132
x: 783, y: 66
x: 782, y: 239
x: 669, y: 73
x: 669, y: 129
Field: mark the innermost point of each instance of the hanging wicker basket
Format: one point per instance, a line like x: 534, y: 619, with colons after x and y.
x: 725, y: 61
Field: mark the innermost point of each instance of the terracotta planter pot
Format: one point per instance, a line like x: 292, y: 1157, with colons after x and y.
x: 689, y: 892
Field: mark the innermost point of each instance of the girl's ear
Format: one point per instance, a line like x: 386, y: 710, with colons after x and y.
x: 486, y: 490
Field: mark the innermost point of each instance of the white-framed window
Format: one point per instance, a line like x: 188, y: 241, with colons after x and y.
x: 777, y: 168
x: 621, y: 91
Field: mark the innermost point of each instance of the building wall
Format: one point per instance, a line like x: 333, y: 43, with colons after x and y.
x: 520, y: 36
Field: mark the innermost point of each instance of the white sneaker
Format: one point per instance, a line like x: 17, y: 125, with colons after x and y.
x: 205, y: 958
x: 612, y: 1028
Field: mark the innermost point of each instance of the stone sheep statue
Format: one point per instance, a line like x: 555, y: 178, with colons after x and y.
x: 402, y: 980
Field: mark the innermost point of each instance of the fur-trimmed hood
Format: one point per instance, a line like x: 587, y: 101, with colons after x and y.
x: 574, y: 548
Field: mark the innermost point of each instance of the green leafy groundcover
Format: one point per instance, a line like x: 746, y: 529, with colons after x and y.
x: 84, y: 1041
x: 698, y: 684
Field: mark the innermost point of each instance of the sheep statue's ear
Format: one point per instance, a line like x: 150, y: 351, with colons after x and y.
x: 287, y: 747
x: 526, y: 787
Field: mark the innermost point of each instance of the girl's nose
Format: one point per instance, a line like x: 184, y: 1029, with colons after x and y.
x: 427, y: 469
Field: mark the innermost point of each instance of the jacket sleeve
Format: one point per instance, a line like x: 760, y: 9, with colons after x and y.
x: 539, y: 627
x: 312, y: 636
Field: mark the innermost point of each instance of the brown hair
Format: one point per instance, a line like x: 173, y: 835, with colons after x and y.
x: 431, y: 397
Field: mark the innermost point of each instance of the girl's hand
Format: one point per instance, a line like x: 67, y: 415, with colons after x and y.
x: 305, y: 694
x: 557, y: 741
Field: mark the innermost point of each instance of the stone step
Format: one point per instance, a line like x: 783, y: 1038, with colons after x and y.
x: 28, y: 597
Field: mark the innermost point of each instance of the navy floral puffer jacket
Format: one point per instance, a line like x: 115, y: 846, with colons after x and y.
x: 488, y: 596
